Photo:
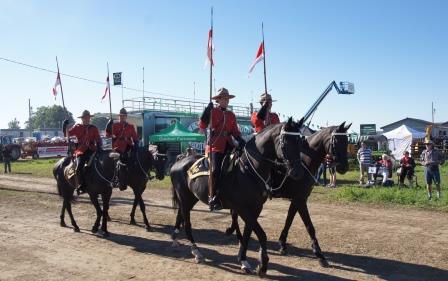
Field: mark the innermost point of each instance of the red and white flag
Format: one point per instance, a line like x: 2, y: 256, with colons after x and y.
x: 210, y: 48
x: 258, y: 57
x: 56, y: 84
x: 107, y: 88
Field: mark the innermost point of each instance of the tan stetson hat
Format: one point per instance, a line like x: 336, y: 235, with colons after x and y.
x: 223, y: 93
x: 266, y: 96
x: 85, y: 113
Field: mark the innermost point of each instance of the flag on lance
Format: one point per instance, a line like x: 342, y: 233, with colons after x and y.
x: 56, y: 84
x: 210, y: 48
x: 258, y: 57
x: 107, y: 88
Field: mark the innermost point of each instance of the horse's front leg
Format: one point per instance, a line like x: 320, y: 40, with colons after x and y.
x: 289, y: 219
x: 134, y: 206
x: 143, y: 209
x: 106, y: 201
x: 306, y: 218
x: 64, y: 204
x: 99, y: 213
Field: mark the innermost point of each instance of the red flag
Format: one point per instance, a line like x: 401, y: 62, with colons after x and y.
x: 56, y: 84
x: 258, y: 57
x: 210, y: 47
x: 107, y: 88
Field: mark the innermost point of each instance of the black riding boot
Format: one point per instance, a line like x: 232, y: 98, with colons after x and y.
x: 81, y: 188
x: 213, y: 201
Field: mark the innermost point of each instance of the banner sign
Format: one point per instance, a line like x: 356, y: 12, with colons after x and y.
x: 117, y: 78
x: 367, y: 129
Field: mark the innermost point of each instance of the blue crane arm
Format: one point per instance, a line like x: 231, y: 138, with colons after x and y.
x: 347, y: 88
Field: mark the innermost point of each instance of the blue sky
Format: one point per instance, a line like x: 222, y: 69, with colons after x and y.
x: 394, y: 51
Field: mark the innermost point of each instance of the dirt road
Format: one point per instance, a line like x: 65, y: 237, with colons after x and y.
x: 360, y: 242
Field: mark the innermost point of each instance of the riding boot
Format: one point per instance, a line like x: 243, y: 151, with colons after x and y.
x: 80, y: 183
x: 213, y: 200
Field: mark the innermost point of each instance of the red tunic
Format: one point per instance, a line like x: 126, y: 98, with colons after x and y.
x: 123, y: 135
x: 88, y: 138
x: 223, y: 127
x: 259, y: 124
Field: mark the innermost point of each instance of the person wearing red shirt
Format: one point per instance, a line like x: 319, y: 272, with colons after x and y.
x: 223, y: 127
x: 124, y: 139
x: 264, y: 117
x: 407, y: 165
x: 89, y: 141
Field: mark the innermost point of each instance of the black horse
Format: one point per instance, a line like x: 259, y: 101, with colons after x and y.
x: 98, y: 177
x: 331, y: 140
x: 243, y: 188
x: 137, y: 174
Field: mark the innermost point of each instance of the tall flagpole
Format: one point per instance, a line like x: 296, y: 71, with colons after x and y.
x: 209, y: 139
x: 110, y: 97
x: 62, y: 92
x: 264, y: 60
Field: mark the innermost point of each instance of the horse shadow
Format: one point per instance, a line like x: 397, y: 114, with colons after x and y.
x: 214, y: 259
x: 379, y: 267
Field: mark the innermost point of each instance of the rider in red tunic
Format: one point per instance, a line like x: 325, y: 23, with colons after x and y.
x: 223, y: 128
x: 264, y: 117
x: 89, y: 141
x: 124, y: 137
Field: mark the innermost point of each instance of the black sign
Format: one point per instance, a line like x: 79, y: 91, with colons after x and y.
x: 117, y: 78
x: 367, y: 129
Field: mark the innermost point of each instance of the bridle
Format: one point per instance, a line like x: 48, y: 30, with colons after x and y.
x: 332, y: 148
x: 288, y: 163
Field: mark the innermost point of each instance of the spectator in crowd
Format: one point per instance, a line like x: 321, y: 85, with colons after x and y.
x: 407, y: 165
x: 7, y: 159
x: 321, y: 171
x: 364, y: 159
x: 331, y: 169
x: 431, y: 158
x: 385, y: 168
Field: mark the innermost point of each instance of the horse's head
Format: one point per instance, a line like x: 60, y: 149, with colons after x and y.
x: 159, y: 161
x: 288, y: 146
x: 336, y: 146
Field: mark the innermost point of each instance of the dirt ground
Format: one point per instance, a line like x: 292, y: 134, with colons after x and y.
x: 360, y: 242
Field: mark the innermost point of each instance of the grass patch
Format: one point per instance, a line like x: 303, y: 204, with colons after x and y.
x: 37, y: 168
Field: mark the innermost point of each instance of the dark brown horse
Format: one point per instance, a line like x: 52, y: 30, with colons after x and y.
x: 137, y: 174
x: 331, y: 140
x: 98, y: 177
x: 242, y: 189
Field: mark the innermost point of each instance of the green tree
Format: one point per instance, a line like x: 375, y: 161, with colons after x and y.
x: 99, y: 121
x: 49, y: 117
x: 14, y: 124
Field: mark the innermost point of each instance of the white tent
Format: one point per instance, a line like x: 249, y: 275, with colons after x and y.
x: 400, y: 140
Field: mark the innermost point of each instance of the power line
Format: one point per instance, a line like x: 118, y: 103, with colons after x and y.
x: 86, y: 79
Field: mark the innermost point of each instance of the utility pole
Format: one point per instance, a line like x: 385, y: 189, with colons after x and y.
x: 29, y: 118
x: 432, y: 112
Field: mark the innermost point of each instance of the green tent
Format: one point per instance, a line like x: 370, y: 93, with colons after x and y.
x: 176, y: 133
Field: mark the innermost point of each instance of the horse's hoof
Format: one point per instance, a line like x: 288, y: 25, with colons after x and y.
x: 108, y: 218
x: 63, y: 224
x: 283, y: 251
x: 105, y: 234
x: 94, y: 229
x: 148, y: 228
x: 261, y: 272
x: 246, y: 268
x: 133, y: 222
x: 76, y: 229
x: 324, y: 263
x: 198, y: 257
x: 229, y: 231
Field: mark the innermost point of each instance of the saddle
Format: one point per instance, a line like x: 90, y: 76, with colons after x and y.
x: 70, y: 169
x: 201, y: 167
